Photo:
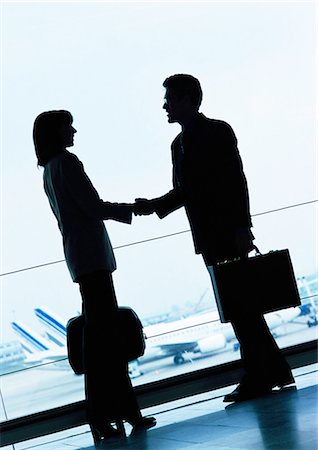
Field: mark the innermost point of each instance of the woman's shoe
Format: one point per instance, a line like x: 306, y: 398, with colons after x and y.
x: 102, y: 434
x: 142, y: 424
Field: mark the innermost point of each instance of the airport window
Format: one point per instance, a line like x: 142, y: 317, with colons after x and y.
x: 117, y: 114
x: 165, y: 356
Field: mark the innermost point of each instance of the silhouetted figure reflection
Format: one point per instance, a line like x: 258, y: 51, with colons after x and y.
x: 90, y: 259
x: 208, y: 180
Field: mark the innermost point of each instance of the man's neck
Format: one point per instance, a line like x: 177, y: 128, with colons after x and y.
x: 187, y: 121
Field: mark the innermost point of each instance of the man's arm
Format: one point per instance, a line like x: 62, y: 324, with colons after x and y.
x: 162, y: 206
x: 167, y: 203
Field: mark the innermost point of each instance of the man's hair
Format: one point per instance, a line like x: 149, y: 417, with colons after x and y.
x: 47, y: 141
x: 182, y: 85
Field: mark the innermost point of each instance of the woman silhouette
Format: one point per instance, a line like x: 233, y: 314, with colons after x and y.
x: 90, y: 259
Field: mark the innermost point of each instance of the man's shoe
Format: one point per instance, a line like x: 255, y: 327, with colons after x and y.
x: 243, y: 392
x: 281, y: 382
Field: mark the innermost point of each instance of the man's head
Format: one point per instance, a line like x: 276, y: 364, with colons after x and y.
x: 183, y: 97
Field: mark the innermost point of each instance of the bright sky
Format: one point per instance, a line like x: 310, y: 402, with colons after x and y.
x: 105, y: 62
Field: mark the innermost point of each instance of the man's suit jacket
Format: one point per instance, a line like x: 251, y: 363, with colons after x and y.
x: 208, y: 180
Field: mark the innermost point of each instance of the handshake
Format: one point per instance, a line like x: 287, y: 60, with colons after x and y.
x: 144, y: 207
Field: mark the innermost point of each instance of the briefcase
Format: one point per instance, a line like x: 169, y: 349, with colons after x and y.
x: 131, y: 342
x: 258, y: 284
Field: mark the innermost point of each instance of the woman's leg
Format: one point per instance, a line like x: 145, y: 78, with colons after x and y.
x: 108, y: 388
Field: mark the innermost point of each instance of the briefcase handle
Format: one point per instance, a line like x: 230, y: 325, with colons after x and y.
x: 254, y: 247
x: 256, y: 250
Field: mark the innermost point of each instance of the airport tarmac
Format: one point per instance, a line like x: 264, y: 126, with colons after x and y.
x: 49, y: 386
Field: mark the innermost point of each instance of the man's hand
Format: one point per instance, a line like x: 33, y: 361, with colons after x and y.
x: 144, y: 207
x: 244, y: 241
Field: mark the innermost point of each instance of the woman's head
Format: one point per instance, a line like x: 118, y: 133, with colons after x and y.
x: 52, y: 133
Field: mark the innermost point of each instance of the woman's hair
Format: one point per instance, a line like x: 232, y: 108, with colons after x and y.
x: 46, y: 137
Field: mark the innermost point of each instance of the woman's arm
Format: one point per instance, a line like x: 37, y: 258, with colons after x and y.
x: 85, y: 195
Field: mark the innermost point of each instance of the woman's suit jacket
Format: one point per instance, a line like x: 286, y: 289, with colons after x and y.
x: 80, y: 214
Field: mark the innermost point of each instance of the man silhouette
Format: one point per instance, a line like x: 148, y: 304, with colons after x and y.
x: 208, y: 180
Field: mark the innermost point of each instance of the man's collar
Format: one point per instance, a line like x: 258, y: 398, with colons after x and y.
x: 193, y: 121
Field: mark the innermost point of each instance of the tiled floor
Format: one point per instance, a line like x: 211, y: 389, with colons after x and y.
x: 284, y: 420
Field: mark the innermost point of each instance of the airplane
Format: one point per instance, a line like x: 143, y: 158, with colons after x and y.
x: 55, y: 326
x: 155, y: 348
x: 205, y: 333
x: 194, y: 334
x: 201, y: 333
x: 36, y: 347
x: 54, y: 348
